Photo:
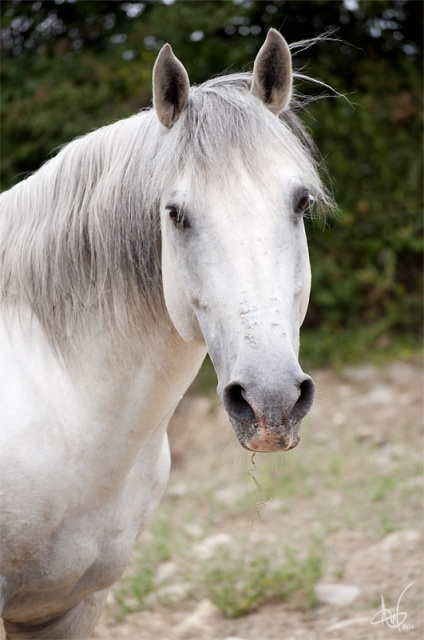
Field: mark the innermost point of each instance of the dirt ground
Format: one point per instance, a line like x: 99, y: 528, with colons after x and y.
x: 355, y: 482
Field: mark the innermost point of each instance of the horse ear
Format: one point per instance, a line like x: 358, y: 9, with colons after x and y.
x: 272, y: 73
x: 170, y: 87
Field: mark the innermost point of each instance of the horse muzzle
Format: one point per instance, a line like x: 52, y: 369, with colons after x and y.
x: 270, y: 421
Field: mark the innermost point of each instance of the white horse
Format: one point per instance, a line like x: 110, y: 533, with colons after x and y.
x: 123, y: 260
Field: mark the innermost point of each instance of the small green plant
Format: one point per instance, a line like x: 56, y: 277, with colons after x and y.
x: 238, y: 586
x: 149, y: 555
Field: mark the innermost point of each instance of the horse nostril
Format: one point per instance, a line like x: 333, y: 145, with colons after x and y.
x: 304, y: 401
x: 239, y: 408
x: 236, y: 404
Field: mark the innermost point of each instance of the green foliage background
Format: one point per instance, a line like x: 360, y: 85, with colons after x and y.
x: 70, y: 66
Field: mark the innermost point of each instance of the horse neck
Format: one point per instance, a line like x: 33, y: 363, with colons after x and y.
x: 105, y: 398
x: 151, y: 379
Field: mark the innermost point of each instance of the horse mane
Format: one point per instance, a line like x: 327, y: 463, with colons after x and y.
x: 80, y: 238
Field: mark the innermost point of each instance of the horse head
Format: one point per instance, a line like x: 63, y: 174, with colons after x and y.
x: 235, y: 262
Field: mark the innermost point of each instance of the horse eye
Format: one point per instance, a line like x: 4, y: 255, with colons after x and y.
x: 178, y: 218
x: 302, y: 203
x: 175, y: 216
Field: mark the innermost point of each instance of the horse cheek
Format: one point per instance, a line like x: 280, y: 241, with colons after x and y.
x: 176, y: 296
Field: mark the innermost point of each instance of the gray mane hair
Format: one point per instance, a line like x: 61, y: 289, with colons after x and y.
x: 80, y: 239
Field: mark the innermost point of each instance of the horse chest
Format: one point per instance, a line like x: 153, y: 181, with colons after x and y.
x: 82, y: 554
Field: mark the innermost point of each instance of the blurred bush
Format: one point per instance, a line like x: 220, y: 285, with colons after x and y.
x: 367, y: 267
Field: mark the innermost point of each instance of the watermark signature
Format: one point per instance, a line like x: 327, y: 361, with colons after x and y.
x: 394, y: 619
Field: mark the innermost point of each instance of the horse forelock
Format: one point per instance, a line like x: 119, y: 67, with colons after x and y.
x: 82, y: 235
x: 224, y: 118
